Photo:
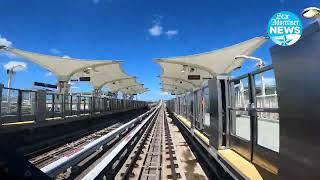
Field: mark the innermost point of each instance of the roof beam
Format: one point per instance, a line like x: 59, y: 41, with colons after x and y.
x: 188, y: 64
x: 115, y: 80
x: 179, y: 79
x: 128, y: 87
x: 173, y: 85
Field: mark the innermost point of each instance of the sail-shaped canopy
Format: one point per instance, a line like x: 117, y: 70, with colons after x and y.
x: 63, y: 68
x: 192, y: 70
x: 107, y: 73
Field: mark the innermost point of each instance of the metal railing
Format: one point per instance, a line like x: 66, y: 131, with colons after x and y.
x: 18, y: 105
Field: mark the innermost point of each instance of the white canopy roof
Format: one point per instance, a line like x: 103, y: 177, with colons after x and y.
x: 137, y: 91
x: 121, y: 85
x: 101, y: 72
x: 209, y: 64
x: 111, y: 75
x: 130, y: 89
x: 172, y: 90
x: 63, y: 68
x: 181, y: 84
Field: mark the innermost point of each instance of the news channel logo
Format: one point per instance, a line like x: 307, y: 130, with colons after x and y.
x: 284, y: 28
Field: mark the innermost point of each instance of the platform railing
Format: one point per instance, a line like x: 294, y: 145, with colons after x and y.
x: 18, y: 105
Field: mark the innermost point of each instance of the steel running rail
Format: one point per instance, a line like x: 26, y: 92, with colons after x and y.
x: 135, y: 157
x: 54, y: 168
x: 96, y: 171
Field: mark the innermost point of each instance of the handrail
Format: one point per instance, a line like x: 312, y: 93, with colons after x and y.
x: 43, y: 104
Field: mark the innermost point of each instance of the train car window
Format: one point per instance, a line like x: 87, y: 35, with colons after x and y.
x: 268, y: 122
x: 206, y: 107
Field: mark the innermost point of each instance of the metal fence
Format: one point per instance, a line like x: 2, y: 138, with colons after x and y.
x: 17, y: 103
x: 26, y: 105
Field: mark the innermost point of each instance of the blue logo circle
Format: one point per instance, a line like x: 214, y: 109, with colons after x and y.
x: 285, y: 28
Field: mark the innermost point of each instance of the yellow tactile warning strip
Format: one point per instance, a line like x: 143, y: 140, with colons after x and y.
x: 188, y: 164
x: 201, y: 136
x: 187, y: 123
x: 244, y: 167
x: 183, y: 120
x: 18, y: 123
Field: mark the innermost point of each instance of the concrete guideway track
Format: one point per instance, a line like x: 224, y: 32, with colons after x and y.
x: 62, y: 161
x: 147, y: 147
x: 156, y: 155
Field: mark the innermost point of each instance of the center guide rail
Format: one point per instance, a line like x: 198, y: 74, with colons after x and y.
x: 69, y: 160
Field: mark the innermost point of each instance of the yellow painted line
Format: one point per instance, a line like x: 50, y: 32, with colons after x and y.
x: 187, y: 122
x: 244, y: 167
x: 18, y: 123
x: 183, y: 120
x: 204, y: 138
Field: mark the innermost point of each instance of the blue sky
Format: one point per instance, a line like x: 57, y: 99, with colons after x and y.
x: 135, y: 31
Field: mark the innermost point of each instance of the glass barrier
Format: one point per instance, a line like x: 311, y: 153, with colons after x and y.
x: 240, y: 126
x: 84, y: 104
x: 67, y: 105
x: 20, y: 105
x: 9, y: 103
x: 49, y: 105
x: 267, y: 99
x: 206, y: 108
x: 74, y: 105
x: 28, y: 102
x: 268, y: 132
x: 58, y: 104
x: 242, y: 93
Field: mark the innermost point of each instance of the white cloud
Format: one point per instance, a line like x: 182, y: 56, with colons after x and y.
x: 171, y: 33
x: 48, y: 74
x: 155, y: 30
x: 66, y: 57
x: 55, y: 51
x: 5, y: 42
x: 19, y: 66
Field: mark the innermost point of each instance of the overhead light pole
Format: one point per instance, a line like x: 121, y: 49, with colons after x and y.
x: 11, y: 72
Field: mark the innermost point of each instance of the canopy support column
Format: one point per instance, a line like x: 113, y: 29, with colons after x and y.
x: 63, y: 87
x: 96, y: 92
